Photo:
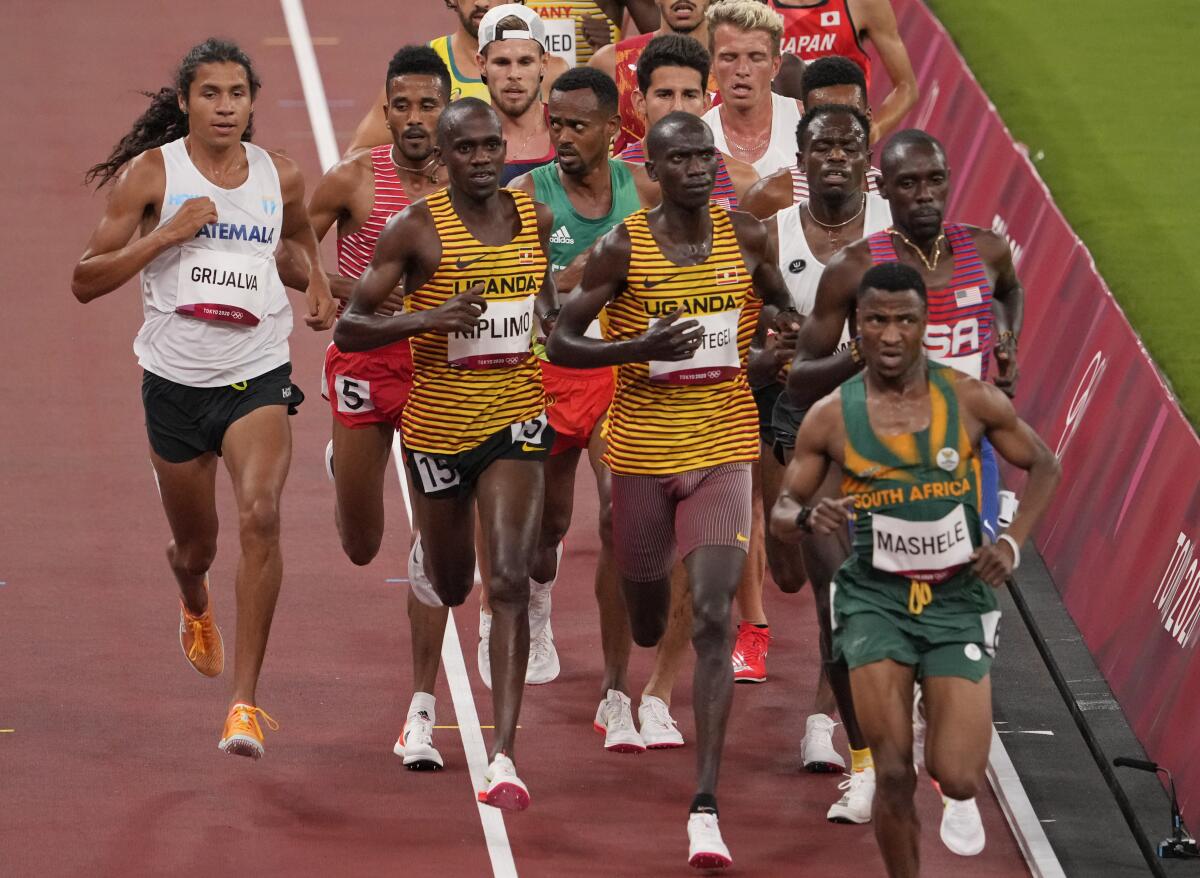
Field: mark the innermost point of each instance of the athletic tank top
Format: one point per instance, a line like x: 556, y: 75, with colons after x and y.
x: 465, y: 388
x: 959, y: 331
x: 820, y: 29
x: 573, y: 234
x: 512, y: 170
x: 801, y: 269
x: 460, y: 86
x: 355, y: 250
x: 781, y: 150
x: 190, y: 293
x: 674, y: 417
x: 564, y: 27
x: 723, y: 193
x: 800, y: 183
x: 916, y: 495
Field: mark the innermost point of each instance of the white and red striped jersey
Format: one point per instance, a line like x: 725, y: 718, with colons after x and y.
x: 355, y: 250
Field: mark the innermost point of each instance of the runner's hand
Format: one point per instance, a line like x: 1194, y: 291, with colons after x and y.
x: 993, y: 563
x: 394, y: 303
x: 1006, y: 363
x: 595, y: 31
x: 830, y: 516
x: 458, y: 313
x: 322, y: 308
x: 671, y: 341
x: 193, y: 215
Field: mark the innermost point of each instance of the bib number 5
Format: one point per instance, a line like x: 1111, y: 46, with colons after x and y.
x: 530, y: 432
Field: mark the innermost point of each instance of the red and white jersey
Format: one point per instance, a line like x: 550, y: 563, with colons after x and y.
x: 355, y: 250
x: 819, y: 29
x: 800, y: 183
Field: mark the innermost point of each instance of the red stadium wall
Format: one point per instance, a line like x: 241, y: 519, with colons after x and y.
x: 1121, y: 537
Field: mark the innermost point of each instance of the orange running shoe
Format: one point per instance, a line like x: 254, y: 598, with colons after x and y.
x: 242, y: 735
x: 200, y: 639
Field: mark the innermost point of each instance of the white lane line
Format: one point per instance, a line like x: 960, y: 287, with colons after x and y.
x: 455, y: 667
x: 494, y: 833
x: 310, y: 81
x: 1022, y: 819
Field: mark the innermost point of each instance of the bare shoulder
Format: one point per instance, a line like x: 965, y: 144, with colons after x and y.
x: 870, y: 12
x: 991, y: 245
x: 824, y: 417
x: 985, y: 401
x: 750, y: 230
x: 769, y: 194
x: 146, y: 170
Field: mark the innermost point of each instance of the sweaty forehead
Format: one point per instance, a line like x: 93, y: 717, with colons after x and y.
x: 470, y: 125
x: 913, y: 158
x: 672, y: 76
x: 414, y: 85
x: 841, y: 125
x: 890, y: 302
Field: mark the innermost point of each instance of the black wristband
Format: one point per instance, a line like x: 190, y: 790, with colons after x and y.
x: 802, y: 518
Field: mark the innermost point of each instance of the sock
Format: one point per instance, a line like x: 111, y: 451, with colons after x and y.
x: 860, y: 760
x: 764, y: 626
x: 423, y: 701
x: 703, y: 803
x: 546, y: 586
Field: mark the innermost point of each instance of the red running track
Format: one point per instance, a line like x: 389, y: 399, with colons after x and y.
x: 110, y: 766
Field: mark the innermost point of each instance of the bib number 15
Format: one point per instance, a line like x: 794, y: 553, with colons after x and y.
x: 435, y: 474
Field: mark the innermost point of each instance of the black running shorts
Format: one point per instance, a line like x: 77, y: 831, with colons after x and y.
x: 185, y: 422
x: 443, y: 476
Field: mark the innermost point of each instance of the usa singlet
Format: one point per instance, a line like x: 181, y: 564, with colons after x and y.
x: 467, y: 386
x: 671, y: 417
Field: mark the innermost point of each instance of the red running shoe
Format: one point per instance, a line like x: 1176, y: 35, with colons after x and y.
x: 750, y: 654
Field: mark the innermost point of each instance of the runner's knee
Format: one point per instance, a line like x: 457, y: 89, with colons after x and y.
x: 259, y: 519
x: 895, y: 779
x: 362, y: 546
x: 193, y: 558
x: 710, y: 622
x: 956, y: 782
x: 508, y: 588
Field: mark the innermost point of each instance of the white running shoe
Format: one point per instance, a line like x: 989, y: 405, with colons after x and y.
x: 415, y: 744
x: 706, y: 850
x: 505, y: 790
x: 855, y: 805
x: 329, y: 460
x: 816, y: 749
x: 962, y: 827
x: 543, y: 663
x: 484, y: 656
x: 659, y: 729
x: 614, y: 717
x: 919, y: 727
x: 418, y: 580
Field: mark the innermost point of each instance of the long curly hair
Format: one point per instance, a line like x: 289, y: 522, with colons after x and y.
x: 163, y: 121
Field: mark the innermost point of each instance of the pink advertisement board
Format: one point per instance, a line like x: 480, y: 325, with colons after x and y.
x: 1121, y: 537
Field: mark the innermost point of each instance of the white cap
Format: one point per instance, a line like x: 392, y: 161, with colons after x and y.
x: 487, y: 27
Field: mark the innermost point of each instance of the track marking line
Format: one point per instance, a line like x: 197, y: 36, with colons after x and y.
x: 482, y: 727
x: 7, y: 731
x: 455, y: 667
x: 1018, y: 811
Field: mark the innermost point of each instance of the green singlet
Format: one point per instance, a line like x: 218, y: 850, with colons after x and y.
x: 573, y: 234
x: 907, y: 592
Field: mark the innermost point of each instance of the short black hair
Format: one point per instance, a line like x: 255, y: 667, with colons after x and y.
x: 828, y: 110
x: 906, y: 138
x: 461, y: 109
x: 672, y: 50
x: 419, y: 60
x: 832, y: 70
x: 596, y: 81
x: 669, y: 127
x: 892, y: 277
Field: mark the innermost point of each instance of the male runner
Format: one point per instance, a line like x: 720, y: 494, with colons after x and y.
x: 670, y: 76
x: 681, y: 430
x: 577, y: 28
x: 828, y: 80
x: 915, y: 602
x: 751, y: 123
x: 832, y: 141
x: 840, y: 27
x: 460, y: 51
x: 367, y: 391
x: 200, y: 213
x: 475, y: 424
x: 974, y: 295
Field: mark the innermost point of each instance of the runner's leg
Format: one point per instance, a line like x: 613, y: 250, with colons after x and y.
x: 360, y: 459
x: 188, y: 492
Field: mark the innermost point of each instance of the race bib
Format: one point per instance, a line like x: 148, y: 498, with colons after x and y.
x: 501, y: 338
x: 224, y: 286
x: 909, y: 547
x: 714, y: 361
x: 972, y: 364
x: 560, y: 38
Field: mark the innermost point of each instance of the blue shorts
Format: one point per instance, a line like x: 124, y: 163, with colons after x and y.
x: 989, y: 512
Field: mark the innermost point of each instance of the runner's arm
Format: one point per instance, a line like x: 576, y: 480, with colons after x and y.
x: 408, y: 249
x: 546, y: 303
x: 741, y: 175
x: 372, y: 130
x: 760, y: 253
x: 768, y: 195
x: 605, y: 60
x: 1008, y: 310
x: 644, y: 13
x: 819, y: 367
x: 1016, y: 442
x: 296, y: 234
x: 331, y: 203
x: 878, y: 19
x: 804, y: 475
x: 112, y: 255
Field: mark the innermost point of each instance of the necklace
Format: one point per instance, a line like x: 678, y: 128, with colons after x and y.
x: 937, y: 249
x: 834, y: 229
x: 429, y: 169
x: 753, y: 147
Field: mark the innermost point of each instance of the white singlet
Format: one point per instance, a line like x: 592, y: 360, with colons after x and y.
x: 781, y: 150
x: 800, y: 268
x: 230, y: 261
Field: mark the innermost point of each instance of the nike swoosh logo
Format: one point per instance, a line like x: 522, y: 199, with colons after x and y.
x: 467, y: 263
x: 525, y: 446
x: 651, y: 284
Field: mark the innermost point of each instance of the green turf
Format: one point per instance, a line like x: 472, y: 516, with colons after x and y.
x: 1108, y: 91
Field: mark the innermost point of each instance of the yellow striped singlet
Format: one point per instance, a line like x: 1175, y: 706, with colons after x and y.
x: 674, y: 417
x: 551, y: 11
x: 460, y: 86
x: 453, y: 408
